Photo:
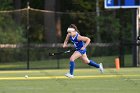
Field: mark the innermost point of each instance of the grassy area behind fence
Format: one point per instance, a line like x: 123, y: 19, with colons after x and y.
x: 108, y: 61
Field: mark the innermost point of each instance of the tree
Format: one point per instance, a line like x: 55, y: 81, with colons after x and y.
x: 58, y: 21
x: 17, y: 16
x: 6, y: 4
x: 50, y: 29
x: 10, y: 32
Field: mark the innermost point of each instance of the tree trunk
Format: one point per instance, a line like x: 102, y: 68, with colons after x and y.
x: 17, y: 5
x: 58, y: 22
x: 50, y: 28
x: 98, y: 26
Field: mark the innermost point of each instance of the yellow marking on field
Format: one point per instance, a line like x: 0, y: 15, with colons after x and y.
x: 21, y: 71
x: 32, y: 71
x: 63, y: 77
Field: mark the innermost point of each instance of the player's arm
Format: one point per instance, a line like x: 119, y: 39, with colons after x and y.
x: 66, y: 40
x: 84, y: 39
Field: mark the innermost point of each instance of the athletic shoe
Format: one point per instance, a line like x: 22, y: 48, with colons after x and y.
x: 69, y: 75
x: 101, y: 68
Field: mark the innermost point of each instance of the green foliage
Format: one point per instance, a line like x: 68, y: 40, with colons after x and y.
x: 6, y: 4
x: 109, y: 28
x: 84, y: 5
x: 10, y: 32
x: 80, y: 12
x: 84, y: 20
x: 109, y: 21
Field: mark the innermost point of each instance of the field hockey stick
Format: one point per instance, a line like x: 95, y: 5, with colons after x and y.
x: 62, y: 52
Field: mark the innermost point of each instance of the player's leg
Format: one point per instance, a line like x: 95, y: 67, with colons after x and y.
x: 85, y: 59
x: 74, y: 56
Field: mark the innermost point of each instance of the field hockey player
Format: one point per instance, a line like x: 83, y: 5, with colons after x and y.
x: 80, y: 43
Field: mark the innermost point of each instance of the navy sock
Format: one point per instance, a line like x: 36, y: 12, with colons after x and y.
x: 72, y: 66
x: 92, y: 63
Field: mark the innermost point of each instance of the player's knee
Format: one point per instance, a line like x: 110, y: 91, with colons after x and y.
x: 86, y: 61
x: 72, y: 59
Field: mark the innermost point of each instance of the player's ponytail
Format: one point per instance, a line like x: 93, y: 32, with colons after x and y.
x: 75, y: 27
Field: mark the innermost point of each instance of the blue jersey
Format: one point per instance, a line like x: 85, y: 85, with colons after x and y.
x: 77, y: 44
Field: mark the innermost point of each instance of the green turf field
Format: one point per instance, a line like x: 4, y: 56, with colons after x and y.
x: 127, y: 80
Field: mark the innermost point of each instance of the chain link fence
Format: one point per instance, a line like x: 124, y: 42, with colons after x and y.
x: 24, y: 39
